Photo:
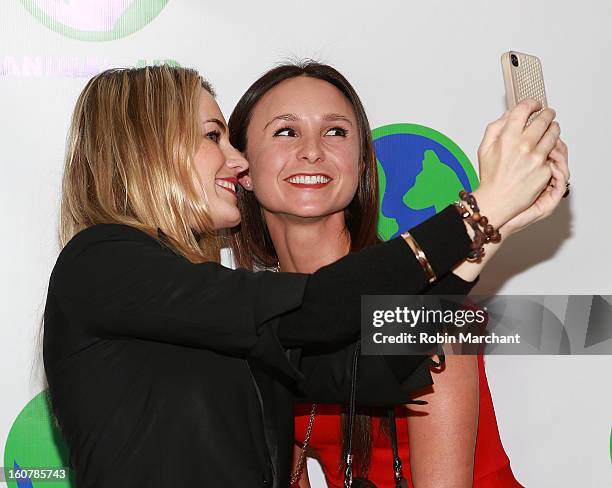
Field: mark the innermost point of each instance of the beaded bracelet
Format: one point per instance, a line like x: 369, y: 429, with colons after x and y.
x: 475, y: 220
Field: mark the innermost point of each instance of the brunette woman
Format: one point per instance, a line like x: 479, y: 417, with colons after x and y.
x: 315, y: 199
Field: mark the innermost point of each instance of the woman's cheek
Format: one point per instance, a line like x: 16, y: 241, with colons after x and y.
x: 264, y: 177
x: 267, y: 194
x: 261, y: 195
x: 349, y: 192
x: 350, y: 176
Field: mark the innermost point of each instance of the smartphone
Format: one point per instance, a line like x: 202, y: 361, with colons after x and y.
x: 523, y: 79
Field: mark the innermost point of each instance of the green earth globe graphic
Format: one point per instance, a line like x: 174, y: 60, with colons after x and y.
x: 35, y: 442
x: 421, y: 171
x: 95, y: 20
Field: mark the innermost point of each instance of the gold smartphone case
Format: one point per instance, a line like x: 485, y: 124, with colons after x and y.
x: 524, y: 80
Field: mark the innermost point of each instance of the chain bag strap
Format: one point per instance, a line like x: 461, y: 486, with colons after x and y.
x: 297, y: 474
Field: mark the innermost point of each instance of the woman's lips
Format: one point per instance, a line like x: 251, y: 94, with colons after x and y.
x: 228, y: 184
x: 303, y: 180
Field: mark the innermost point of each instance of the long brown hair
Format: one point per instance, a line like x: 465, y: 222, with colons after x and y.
x: 129, y: 158
x: 251, y: 242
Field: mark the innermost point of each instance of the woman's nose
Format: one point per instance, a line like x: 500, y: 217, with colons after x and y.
x: 237, y: 164
x: 236, y: 161
x: 311, y: 150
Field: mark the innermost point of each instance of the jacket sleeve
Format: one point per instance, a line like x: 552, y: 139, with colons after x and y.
x: 382, y: 380
x: 331, y: 307
x: 451, y: 284
x: 327, y: 377
x: 402, y: 366
x: 116, y: 281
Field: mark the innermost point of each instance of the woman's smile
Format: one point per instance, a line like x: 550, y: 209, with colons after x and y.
x: 229, y: 183
x: 309, y: 180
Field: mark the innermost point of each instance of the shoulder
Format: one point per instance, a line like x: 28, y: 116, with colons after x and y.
x: 107, y: 233
x: 108, y: 238
x: 106, y: 246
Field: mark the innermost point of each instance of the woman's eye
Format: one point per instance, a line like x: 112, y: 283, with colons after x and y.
x: 214, y: 135
x: 286, y: 132
x: 336, y: 131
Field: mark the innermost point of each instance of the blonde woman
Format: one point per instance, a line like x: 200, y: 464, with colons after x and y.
x: 166, y: 368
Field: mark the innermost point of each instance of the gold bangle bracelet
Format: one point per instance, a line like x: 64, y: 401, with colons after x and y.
x: 420, y: 255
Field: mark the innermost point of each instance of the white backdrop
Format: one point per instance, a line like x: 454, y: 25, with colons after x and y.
x: 434, y: 63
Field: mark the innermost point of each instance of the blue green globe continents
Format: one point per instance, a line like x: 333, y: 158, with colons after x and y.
x: 94, y: 20
x: 35, y: 454
x: 421, y: 171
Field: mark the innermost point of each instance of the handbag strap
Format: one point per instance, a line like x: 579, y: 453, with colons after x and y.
x: 297, y: 473
x: 400, y: 482
x: 348, y: 471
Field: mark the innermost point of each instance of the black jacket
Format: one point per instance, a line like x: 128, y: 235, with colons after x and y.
x: 167, y: 373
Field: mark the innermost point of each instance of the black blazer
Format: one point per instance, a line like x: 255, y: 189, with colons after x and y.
x: 167, y: 373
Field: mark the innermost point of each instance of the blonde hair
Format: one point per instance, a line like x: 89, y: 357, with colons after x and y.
x: 129, y: 158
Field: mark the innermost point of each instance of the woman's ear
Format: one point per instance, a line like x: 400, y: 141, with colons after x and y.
x: 245, y: 182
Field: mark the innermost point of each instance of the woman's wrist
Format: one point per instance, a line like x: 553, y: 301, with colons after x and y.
x: 442, y: 239
x: 493, y: 207
x: 482, y: 230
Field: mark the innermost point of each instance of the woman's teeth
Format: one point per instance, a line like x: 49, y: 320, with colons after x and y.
x: 309, y: 179
x: 226, y: 184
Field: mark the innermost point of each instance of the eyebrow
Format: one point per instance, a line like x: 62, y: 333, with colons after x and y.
x: 292, y: 118
x: 289, y: 117
x: 218, y: 122
x: 333, y: 117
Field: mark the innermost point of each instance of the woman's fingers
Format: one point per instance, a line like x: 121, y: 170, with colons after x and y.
x: 558, y: 183
x: 492, y: 132
x: 548, y: 141
x: 494, y: 129
x: 519, y: 115
x: 550, y: 198
x: 534, y: 133
x: 512, y: 160
x: 560, y: 159
x: 561, y: 146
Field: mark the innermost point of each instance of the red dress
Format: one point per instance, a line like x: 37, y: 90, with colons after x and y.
x: 491, y: 464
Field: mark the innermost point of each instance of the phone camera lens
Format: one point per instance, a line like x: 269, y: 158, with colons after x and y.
x: 514, y: 60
